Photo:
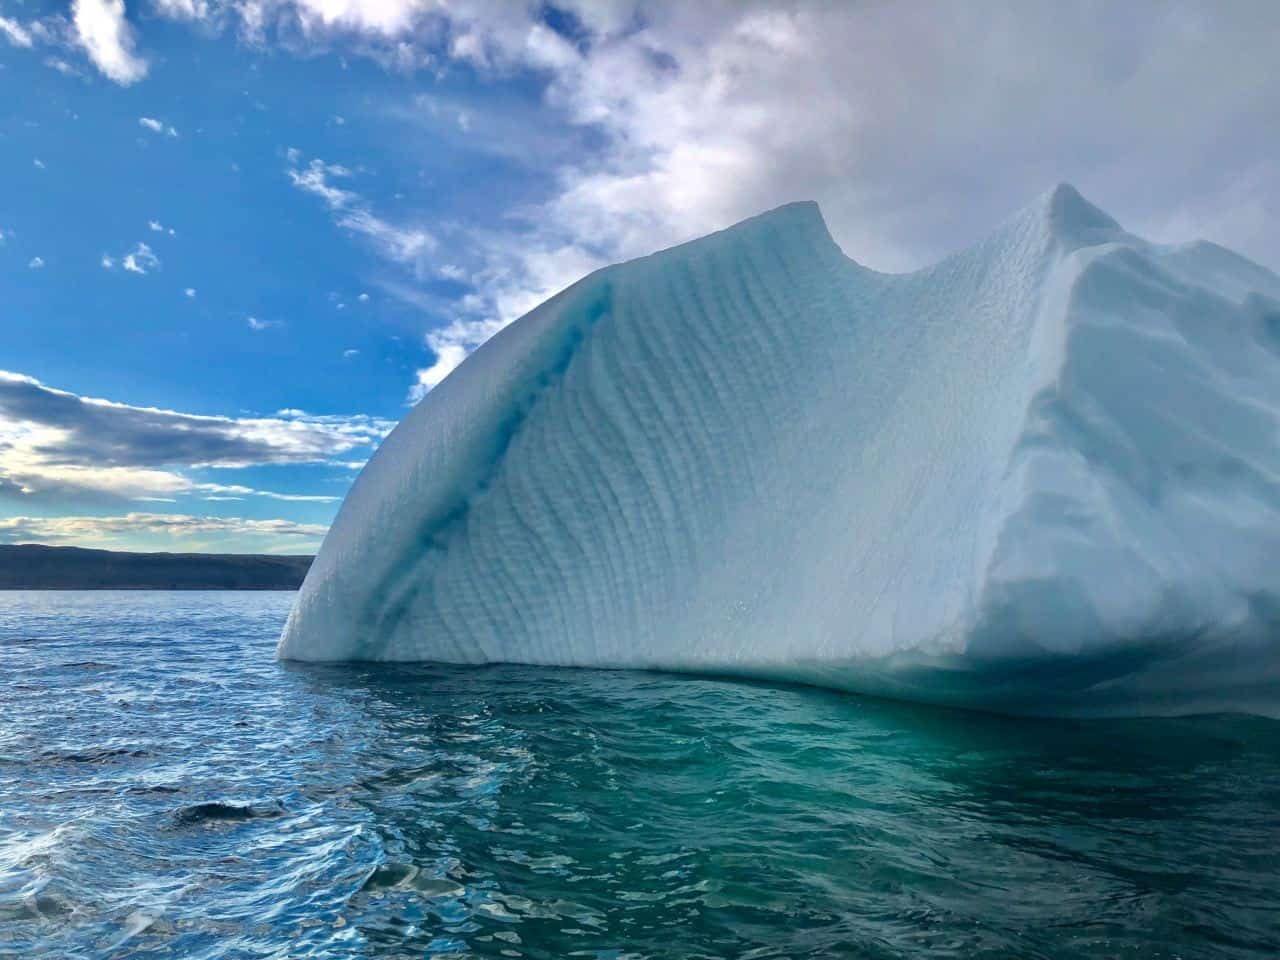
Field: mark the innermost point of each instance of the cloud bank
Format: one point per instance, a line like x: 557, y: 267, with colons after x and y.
x: 142, y: 529
x: 56, y: 445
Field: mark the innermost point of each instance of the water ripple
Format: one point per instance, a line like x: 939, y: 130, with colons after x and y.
x: 168, y: 790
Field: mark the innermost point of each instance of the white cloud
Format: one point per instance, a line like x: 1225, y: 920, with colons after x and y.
x: 383, y: 18
x: 15, y: 32
x: 448, y: 357
x: 35, y: 263
x: 142, y: 529
x: 157, y: 126
x: 190, y: 291
x: 404, y: 245
x: 155, y: 226
x: 106, y: 36
x: 315, y: 179
x: 37, y: 163
x: 257, y: 325
x: 363, y: 298
x: 183, y: 9
x: 141, y: 261
x: 350, y: 354
x: 451, y: 344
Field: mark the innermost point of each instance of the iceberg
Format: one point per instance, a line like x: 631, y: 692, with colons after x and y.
x: 1041, y: 477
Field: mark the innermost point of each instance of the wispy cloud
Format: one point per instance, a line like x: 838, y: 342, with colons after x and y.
x: 35, y: 263
x: 64, y: 68
x: 15, y: 33
x: 235, y: 491
x: 105, y: 35
x: 158, y: 529
x: 157, y: 126
x: 57, y: 443
x: 404, y: 245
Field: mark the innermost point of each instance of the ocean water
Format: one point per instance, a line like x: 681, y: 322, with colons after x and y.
x: 168, y: 790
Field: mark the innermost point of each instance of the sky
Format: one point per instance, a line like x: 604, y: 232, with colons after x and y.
x: 239, y: 238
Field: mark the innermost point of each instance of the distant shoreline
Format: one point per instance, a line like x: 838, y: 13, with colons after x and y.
x: 31, y: 566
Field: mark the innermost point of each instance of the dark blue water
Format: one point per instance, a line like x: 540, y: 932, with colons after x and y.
x: 167, y: 789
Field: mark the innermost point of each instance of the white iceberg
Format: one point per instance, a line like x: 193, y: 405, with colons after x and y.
x: 1041, y: 476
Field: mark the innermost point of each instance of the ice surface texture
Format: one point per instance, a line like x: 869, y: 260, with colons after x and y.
x: 1040, y: 476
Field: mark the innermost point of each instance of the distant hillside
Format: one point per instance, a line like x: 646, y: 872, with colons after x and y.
x: 37, y: 567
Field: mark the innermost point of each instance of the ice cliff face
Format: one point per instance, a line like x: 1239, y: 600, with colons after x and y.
x: 1041, y: 476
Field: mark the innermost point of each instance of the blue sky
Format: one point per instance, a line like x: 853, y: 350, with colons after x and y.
x: 240, y: 236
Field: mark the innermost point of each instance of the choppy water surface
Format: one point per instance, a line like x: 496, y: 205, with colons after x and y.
x: 167, y: 789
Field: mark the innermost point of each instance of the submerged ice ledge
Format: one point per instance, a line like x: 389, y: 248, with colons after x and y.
x: 1041, y: 476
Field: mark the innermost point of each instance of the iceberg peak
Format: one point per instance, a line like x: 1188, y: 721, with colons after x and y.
x: 1075, y: 221
x: 801, y: 212
x: 798, y: 222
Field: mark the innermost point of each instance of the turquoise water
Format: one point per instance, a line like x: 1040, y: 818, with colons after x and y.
x: 168, y: 790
